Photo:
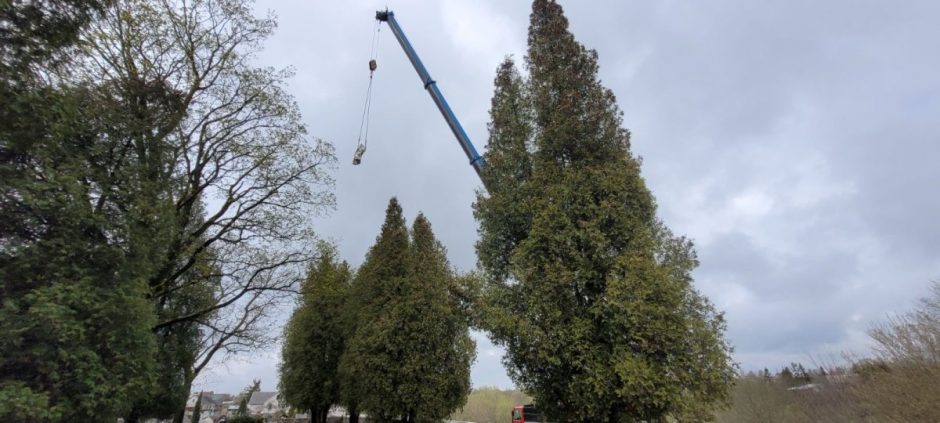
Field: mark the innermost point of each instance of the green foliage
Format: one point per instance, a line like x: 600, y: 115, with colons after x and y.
x: 39, y: 35
x: 589, y: 292
x: 441, y: 347
x: 410, y: 355
x: 118, y: 286
x: 235, y: 133
x: 375, y: 285
x: 74, y: 276
x: 506, y: 216
x: 178, y: 345
x: 76, y: 322
x: 315, y: 337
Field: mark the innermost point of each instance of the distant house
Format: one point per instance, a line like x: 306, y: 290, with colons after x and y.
x: 264, y: 404
x: 211, y: 407
x: 232, y: 406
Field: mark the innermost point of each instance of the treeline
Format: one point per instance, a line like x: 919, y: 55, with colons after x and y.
x: 388, y: 339
x: 899, y: 383
x: 158, y: 193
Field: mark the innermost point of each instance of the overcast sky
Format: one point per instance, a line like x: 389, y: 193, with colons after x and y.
x: 797, y: 142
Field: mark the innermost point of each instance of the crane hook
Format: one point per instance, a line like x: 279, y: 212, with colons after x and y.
x: 364, y: 125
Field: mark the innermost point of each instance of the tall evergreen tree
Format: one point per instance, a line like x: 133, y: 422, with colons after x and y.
x: 77, y: 344
x: 590, y: 293
x: 370, y: 365
x: 507, y: 173
x: 410, y: 356
x: 438, y: 362
x: 315, y: 338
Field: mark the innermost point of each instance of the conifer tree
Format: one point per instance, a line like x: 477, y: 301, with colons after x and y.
x: 589, y: 292
x: 507, y: 173
x: 370, y: 367
x: 315, y: 337
x: 441, y: 351
x: 410, y: 356
x: 76, y: 343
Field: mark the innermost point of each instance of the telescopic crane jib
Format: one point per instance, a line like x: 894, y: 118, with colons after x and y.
x: 476, y: 160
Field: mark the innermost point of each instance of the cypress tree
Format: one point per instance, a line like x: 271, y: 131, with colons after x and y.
x: 315, y: 337
x: 371, y: 364
x: 410, y: 356
x: 506, y: 217
x: 75, y: 320
x: 589, y: 292
x: 441, y: 350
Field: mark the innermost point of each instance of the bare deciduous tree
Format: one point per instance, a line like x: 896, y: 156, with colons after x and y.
x: 241, y: 180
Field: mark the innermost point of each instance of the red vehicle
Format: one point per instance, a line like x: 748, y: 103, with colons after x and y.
x: 526, y: 414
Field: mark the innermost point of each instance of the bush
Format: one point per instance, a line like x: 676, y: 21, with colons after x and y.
x: 900, y: 384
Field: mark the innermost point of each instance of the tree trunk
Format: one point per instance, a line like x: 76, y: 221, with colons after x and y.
x: 353, y: 414
x: 188, y: 374
x: 133, y: 416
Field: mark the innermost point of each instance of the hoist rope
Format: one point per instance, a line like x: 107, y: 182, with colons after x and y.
x: 363, y: 140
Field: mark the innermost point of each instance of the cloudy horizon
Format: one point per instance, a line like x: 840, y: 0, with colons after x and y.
x: 795, y: 142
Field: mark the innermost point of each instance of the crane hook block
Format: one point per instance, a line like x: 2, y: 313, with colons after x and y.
x: 372, y: 65
x: 357, y: 157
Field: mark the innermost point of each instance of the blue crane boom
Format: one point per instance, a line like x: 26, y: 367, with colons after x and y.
x: 476, y: 160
